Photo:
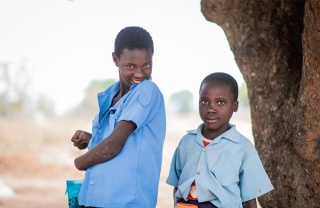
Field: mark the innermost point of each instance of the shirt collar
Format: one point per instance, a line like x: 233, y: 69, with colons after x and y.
x: 105, y: 97
x: 232, y: 134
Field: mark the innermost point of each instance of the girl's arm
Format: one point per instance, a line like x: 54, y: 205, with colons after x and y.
x: 250, y: 204
x: 108, y: 147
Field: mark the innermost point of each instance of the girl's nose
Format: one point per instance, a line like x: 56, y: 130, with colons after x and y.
x: 138, y: 73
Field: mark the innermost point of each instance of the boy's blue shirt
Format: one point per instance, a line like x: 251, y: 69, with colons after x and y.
x: 227, y: 172
x: 131, y: 178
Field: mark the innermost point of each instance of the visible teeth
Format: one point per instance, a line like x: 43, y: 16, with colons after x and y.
x: 137, y: 82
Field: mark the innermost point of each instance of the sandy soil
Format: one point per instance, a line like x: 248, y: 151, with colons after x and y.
x: 35, y: 183
x: 38, y: 173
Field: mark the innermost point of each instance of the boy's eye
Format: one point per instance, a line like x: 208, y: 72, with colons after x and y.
x: 221, y: 102
x: 204, y: 102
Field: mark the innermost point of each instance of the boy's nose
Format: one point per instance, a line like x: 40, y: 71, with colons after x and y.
x: 211, y: 109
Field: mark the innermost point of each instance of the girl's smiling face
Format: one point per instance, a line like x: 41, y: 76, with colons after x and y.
x: 216, y: 106
x: 134, y: 67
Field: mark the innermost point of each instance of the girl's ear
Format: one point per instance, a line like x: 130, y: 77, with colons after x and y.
x: 115, y: 59
x: 235, y: 106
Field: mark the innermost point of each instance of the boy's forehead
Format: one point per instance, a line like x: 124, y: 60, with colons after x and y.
x: 216, y: 85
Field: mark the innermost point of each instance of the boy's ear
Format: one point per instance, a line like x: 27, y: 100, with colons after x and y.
x: 235, y: 106
x: 115, y: 59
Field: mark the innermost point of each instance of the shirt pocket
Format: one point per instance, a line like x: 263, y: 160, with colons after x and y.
x: 116, y: 113
x: 226, y: 169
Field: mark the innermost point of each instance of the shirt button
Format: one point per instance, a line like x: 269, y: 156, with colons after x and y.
x: 198, y: 173
x: 91, y: 182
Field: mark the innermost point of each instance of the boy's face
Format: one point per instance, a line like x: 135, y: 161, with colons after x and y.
x: 134, y: 66
x: 216, y: 106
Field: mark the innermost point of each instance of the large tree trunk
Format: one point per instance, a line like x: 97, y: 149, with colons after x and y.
x: 277, y: 48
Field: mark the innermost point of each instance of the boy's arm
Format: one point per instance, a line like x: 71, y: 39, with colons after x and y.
x: 250, y: 204
x: 107, y: 148
x: 175, y: 199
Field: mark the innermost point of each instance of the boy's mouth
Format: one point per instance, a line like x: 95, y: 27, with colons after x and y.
x: 211, y: 120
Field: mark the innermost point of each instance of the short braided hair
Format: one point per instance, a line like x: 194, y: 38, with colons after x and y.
x: 131, y: 38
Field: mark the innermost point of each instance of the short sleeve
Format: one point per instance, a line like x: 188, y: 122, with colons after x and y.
x: 254, y: 180
x: 175, y: 170
x: 142, y: 104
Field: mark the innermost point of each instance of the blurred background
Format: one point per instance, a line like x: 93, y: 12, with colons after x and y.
x: 55, y: 56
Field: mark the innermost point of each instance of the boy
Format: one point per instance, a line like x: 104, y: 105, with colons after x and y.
x: 214, y: 165
x: 124, y: 155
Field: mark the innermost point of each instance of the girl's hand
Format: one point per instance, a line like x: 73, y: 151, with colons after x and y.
x: 81, y: 139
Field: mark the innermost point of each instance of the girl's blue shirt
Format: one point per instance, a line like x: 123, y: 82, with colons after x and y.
x: 131, y: 178
x: 227, y: 172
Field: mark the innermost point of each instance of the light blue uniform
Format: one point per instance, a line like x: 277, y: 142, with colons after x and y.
x: 227, y: 172
x: 131, y: 178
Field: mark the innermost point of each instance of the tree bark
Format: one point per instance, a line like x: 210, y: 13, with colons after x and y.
x: 277, y: 48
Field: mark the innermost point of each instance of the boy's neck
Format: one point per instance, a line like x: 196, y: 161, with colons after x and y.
x: 212, y: 134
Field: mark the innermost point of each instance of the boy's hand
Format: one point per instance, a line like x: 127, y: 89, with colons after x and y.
x: 81, y: 139
x: 250, y: 204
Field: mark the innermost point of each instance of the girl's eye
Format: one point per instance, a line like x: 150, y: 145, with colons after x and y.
x: 147, y: 66
x: 130, y: 66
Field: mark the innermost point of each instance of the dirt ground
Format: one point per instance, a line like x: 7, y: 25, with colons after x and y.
x: 37, y: 172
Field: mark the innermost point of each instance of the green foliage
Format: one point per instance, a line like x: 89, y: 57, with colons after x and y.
x: 89, y: 106
x: 181, y: 102
x: 98, y: 86
x: 45, y: 106
x: 15, y: 99
x: 243, y: 95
